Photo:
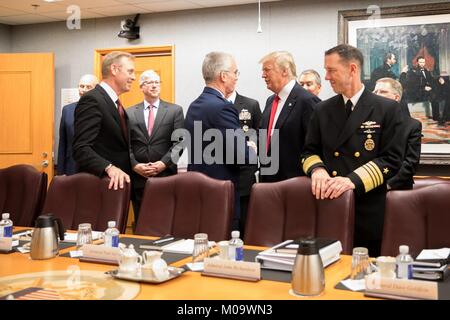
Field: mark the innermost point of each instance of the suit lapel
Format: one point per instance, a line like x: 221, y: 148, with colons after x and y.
x: 160, y: 115
x: 266, y: 113
x: 287, y: 108
x: 113, y: 110
x: 362, y: 110
x: 140, y: 119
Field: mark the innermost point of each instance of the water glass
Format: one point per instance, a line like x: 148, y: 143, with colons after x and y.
x: 360, y: 263
x: 84, y: 235
x: 201, y: 250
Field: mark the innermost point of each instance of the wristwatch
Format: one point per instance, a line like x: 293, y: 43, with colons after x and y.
x: 107, y: 167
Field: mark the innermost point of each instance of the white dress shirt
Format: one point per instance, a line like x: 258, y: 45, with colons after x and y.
x: 355, y: 98
x: 284, y: 94
x: 147, y: 110
x: 111, y: 93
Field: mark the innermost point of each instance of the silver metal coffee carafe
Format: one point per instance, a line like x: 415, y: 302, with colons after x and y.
x: 44, y: 242
x: 308, y: 275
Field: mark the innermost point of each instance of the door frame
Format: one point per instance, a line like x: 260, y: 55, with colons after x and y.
x: 163, y: 50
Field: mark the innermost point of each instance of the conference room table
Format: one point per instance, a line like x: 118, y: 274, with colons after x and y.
x: 19, y: 271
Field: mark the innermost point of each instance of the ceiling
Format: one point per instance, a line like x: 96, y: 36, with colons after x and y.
x: 17, y: 12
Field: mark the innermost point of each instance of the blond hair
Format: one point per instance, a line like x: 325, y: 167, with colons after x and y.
x: 283, y: 60
x: 111, y: 58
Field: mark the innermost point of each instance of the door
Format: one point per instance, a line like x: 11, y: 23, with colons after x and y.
x: 27, y: 110
x: 160, y: 59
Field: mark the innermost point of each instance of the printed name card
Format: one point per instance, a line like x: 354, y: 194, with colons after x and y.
x: 5, y: 243
x: 402, y: 287
x: 242, y: 270
x: 100, y: 252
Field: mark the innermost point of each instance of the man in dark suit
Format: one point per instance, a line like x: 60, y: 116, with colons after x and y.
x: 151, y: 125
x: 353, y: 144
x: 66, y: 164
x: 101, y: 142
x: 249, y: 118
x: 411, y: 133
x: 384, y: 71
x: 212, y: 114
x: 421, y: 88
x: 286, y: 116
x: 310, y: 80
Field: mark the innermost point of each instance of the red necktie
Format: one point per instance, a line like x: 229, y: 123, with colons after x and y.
x: 272, y: 117
x: 123, y: 121
x: 151, y: 120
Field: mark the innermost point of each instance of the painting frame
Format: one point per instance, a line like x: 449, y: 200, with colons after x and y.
x: 436, y: 154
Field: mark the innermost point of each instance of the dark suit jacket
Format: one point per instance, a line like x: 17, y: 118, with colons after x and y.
x: 416, y: 82
x: 214, y: 112
x: 383, y: 71
x: 98, y: 139
x: 249, y: 117
x: 66, y: 163
x: 292, y: 123
x: 411, y: 136
x: 158, y: 146
x: 366, y: 148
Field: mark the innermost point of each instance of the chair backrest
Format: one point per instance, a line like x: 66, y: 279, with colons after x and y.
x: 22, y: 193
x: 83, y: 197
x: 418, y: 218
x: 428, y: 181
x: 185, y: 204
x: 287, y: 210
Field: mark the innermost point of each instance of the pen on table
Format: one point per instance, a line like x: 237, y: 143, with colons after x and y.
x: 162, y: 240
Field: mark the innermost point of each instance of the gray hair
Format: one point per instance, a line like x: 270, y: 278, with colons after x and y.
x: 214, y: 63
x: 395, y: 86
x: 284, y: 61
x: 314, y: 73
x: 148, y: 74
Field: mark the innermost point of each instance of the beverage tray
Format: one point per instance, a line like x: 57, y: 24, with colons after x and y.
x: 173, y: 273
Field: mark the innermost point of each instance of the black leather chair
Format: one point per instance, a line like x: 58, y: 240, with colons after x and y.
x: 418, y: 218
x: 84, y: 198
x: 185, y: 204
x: 22, y: 193
x: 287, y: 209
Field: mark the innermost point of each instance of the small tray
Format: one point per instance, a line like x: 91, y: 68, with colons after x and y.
x: 173, y: 273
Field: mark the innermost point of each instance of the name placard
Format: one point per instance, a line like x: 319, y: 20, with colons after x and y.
x: 402, y: 287
x: 241, y: 270
x: 101, y: 253
x: 5, y: 243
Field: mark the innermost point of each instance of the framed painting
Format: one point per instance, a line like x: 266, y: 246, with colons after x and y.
x: 416, y: 40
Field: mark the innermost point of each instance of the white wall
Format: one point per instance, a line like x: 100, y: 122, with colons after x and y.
x: 305, y: 28
x: 5, y: 38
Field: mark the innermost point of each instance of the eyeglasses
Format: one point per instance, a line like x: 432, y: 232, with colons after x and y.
x: 151, y: 83
x: 236, y: 72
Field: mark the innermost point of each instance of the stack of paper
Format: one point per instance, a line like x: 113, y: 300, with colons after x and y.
x: 72, y: 236
x: 432, y: 264
x: 279, y: 258
x: 184, y: 247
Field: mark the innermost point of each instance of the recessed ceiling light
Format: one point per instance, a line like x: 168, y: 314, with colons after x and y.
x: 53, y: 0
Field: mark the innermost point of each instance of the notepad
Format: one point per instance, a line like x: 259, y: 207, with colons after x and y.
x: 184, y: 247
x: 72, y: 237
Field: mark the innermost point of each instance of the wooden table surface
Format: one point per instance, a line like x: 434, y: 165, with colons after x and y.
x: 190, y: 285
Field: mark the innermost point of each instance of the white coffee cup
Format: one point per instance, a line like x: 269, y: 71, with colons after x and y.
x: 223, y: 247
x: 386, y: 267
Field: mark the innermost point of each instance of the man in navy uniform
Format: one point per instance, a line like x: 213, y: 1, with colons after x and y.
x: 411, y: 137
x: 249, y: 118
x: 352, y: 144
